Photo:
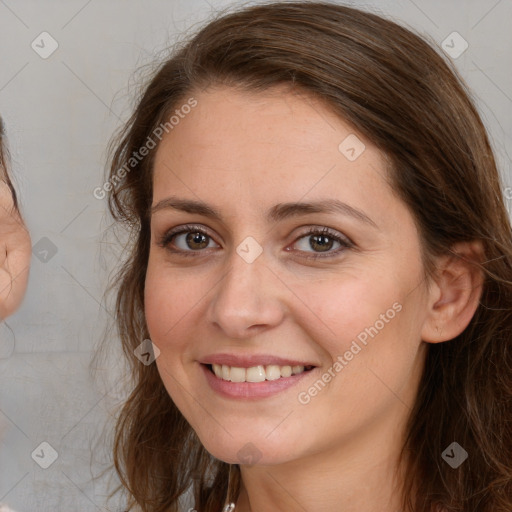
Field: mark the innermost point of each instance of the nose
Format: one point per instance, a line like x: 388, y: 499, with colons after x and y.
x: 248, y: 299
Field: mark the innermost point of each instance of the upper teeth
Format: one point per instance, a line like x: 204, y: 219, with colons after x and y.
x: 255, y: 373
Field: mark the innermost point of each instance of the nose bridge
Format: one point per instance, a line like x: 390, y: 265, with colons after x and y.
x: 245, y: 296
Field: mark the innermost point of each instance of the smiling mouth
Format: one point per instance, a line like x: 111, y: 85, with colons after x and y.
x: 255, y: 373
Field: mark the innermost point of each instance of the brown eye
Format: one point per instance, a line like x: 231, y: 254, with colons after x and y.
x: 317, y: 241
x: 196, y: 240
x: 186, y: 240
x: 321, y: 242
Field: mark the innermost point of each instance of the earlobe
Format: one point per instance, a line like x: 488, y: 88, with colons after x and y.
x: 455, y: 294
x: 15, y: 252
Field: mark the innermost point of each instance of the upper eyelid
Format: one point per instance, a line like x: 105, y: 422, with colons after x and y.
x: 191, y: 227
x: 186, y: 228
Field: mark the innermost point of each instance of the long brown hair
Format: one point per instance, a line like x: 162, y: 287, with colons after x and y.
x: 398, y: 91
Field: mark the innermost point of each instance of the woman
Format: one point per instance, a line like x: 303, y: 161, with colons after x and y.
x: 15, y: 239
x: 322, y: 260
x: 16, y: 247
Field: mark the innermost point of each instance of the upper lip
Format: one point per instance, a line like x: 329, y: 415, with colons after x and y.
x: 247, y: 361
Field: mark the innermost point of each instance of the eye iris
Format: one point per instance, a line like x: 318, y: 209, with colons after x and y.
x: 324, y: 246
x: 197, y: 238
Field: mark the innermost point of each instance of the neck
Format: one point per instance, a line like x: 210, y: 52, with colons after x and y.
x: 359, y: 475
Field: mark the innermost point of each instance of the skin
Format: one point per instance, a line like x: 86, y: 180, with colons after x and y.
x: 15, y: 253
x: 242, y: 154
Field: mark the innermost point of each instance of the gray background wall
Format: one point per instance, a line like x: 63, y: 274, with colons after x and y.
x: 60, y: 113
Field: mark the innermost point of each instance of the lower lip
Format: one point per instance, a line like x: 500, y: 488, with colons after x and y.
x: 251, y: 389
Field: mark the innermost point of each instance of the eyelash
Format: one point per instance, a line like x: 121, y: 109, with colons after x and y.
x: 168, y: 236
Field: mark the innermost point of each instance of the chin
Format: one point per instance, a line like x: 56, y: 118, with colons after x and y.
x: 248, y: 450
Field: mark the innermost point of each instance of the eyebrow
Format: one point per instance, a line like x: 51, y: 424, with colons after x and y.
x: 277, y: 213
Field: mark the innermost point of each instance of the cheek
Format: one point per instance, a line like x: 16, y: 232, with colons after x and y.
x: 173, y: 299
x: 369, y: 331
x: 168, y: 306
x: 343, y: 310
x: 164, y: 304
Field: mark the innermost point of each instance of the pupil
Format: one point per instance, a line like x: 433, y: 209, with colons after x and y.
x: 197, y: 238
x: 323, y: 245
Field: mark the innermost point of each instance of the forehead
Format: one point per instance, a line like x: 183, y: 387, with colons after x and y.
x: 264, y: 148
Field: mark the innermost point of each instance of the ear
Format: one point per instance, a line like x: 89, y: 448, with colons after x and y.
x: 15, y: 252
x: 455, y: 292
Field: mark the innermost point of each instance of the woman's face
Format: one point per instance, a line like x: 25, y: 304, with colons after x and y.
x: 250, y: 294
